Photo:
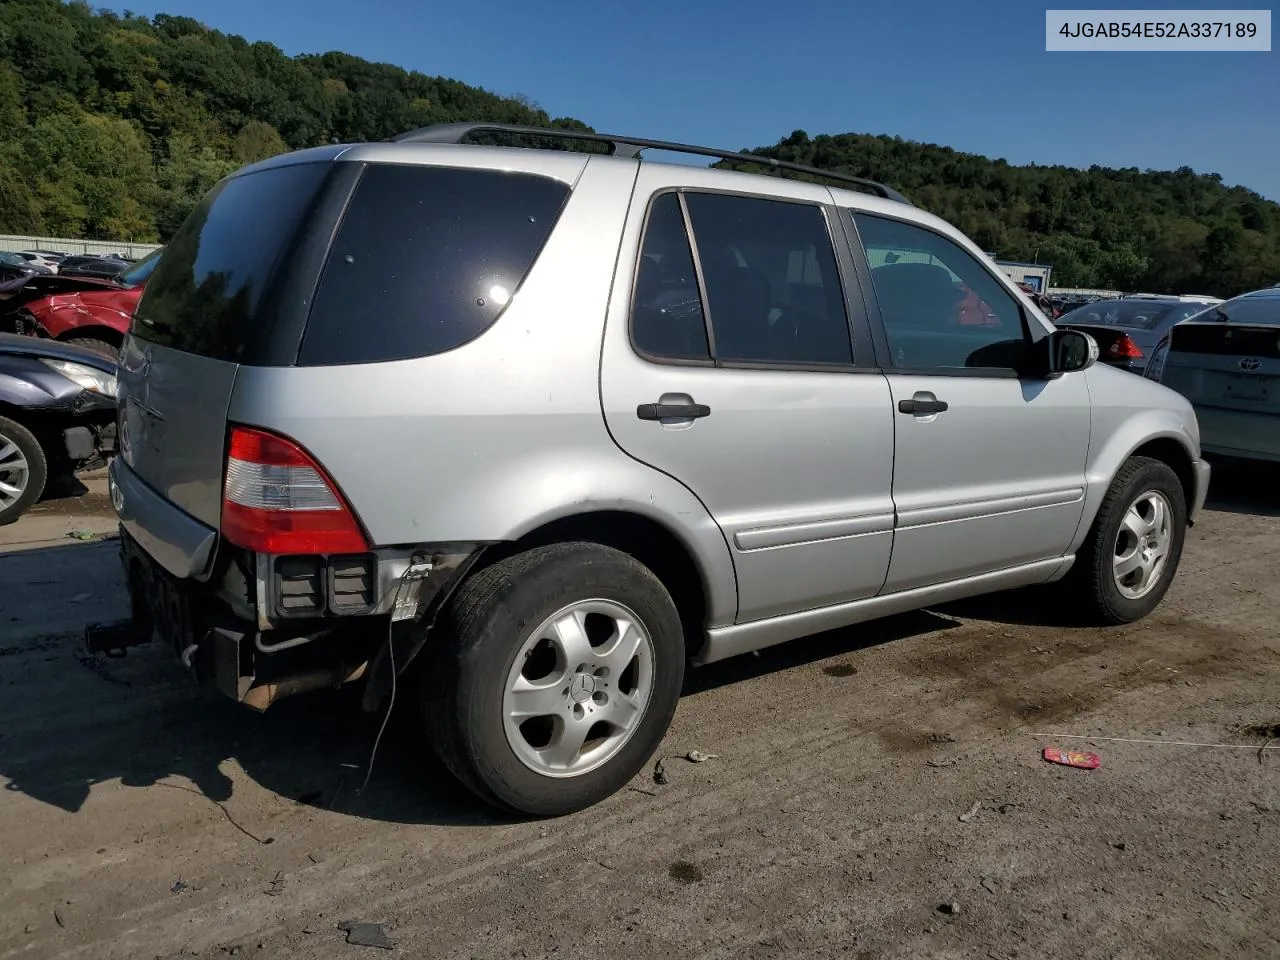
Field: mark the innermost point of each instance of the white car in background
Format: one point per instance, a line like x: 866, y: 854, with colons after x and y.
x: 44, y: 260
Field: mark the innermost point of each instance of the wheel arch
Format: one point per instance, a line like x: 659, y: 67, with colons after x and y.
x: 1174, y: 454
x: 93, y: 331
x: 671, y: 558
x: 1155, y: 435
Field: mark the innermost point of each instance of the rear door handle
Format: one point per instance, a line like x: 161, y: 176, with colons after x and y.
x: 922, y: 405
x: 672, y: 411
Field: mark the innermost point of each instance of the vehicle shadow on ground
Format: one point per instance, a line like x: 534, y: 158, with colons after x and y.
x: 66, y: 487
x: 313, y: 750
x: 811, y: 650
x: 1245, y: 487
x: 1027, y: 607
x: 72, y: 721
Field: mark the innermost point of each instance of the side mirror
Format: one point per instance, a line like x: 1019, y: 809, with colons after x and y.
x: 1071, y: 350
x: 1062, y: 351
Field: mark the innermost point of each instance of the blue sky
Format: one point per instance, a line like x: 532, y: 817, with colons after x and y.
x: 973, y: 76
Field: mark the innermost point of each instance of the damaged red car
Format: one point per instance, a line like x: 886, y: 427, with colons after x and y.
x: 89, y: 312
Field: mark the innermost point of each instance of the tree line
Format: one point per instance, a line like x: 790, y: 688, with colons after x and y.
x: 1157, y: 231
x: 113, y: 125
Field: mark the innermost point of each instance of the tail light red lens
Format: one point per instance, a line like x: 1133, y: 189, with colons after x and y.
x: 1125, y: 349
x: 277, y: 499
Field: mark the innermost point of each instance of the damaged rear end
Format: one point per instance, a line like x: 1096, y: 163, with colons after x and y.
x: 259, y: 544
x: 243, y: 552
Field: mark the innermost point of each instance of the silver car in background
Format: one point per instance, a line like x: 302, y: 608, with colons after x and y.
x: 521, y: 432
x: 1226, y: 361
x: 1127, y: 329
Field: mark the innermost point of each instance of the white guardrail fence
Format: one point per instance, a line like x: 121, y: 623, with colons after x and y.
x: 14, y: 243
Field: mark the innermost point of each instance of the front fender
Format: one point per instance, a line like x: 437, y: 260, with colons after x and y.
x: 1120, y: 428
x: 61, y: 319
x: 27, y: 384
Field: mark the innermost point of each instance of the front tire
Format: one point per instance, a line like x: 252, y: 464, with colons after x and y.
x: 555, y: 677
x: 93, y: 344
x: 23, y: 470
x: 1129, y: 560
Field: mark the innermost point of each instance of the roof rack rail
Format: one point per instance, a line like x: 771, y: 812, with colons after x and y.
x: 630, y: 147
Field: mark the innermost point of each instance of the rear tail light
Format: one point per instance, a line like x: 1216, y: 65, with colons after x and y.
x: 1124, y: 349
x: 277, y: 499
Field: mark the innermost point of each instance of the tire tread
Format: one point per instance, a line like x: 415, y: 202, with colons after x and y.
x: 1091, y: 575
x: 460, y: 632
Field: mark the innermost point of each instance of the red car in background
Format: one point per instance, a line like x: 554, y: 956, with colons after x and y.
x: 88, y: 312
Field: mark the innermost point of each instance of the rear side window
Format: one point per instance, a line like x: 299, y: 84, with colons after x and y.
x: 769, y: 270
x: 773, y: 289
x: 667, y: 317
x: 204, y: 294
x: 425, y: 260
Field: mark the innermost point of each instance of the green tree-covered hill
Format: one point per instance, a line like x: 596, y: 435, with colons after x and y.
x: 1164, y: 232
x: 113, y: 125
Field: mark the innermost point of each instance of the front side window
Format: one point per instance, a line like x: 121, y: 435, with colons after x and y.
x: 941, y: 309
x: 769, y: 270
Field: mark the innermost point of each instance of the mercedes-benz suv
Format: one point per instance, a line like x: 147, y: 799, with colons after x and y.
x: 537, y: 428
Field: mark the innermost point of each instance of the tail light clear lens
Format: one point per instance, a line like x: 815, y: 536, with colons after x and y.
x: 276, y: 499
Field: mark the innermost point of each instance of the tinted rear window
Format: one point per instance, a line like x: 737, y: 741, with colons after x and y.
x: 1249, y: 309
x: 206, y: 290
x: 1133, y: 314
x: 425, y: 259
x: 1226, y: 340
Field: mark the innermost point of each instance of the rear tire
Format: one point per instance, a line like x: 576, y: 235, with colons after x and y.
x: 562, y: 640
x: 1134, y: 547
x: 100, y: 347
x: 23, y: 468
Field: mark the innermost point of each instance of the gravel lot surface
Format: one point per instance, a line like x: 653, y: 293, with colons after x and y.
x: 143, y: 818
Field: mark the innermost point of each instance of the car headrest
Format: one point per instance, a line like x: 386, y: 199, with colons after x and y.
x: 912, y: 293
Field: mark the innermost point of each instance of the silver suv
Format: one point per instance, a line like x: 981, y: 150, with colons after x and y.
x: 545, y: 425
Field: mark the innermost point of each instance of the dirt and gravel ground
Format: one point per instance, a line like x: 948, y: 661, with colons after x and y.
x: 141, y: 818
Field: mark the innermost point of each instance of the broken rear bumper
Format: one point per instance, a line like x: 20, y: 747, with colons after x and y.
x: 217, y: 630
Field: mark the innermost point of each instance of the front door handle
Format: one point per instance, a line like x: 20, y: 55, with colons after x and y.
x: 922, y: 405
x: 672, y: 411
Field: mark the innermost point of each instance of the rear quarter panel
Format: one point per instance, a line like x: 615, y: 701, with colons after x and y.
x: 491, y: 440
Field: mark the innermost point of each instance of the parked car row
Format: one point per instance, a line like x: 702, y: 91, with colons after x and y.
x: 51, y: 261
x: 1128, y: 328
x: 88, y: 311
x: 57, y: 415
x: 1226, y: 361
x: 1224, y: 356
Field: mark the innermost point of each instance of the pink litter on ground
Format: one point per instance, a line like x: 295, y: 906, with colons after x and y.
x: 1072, y: 758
